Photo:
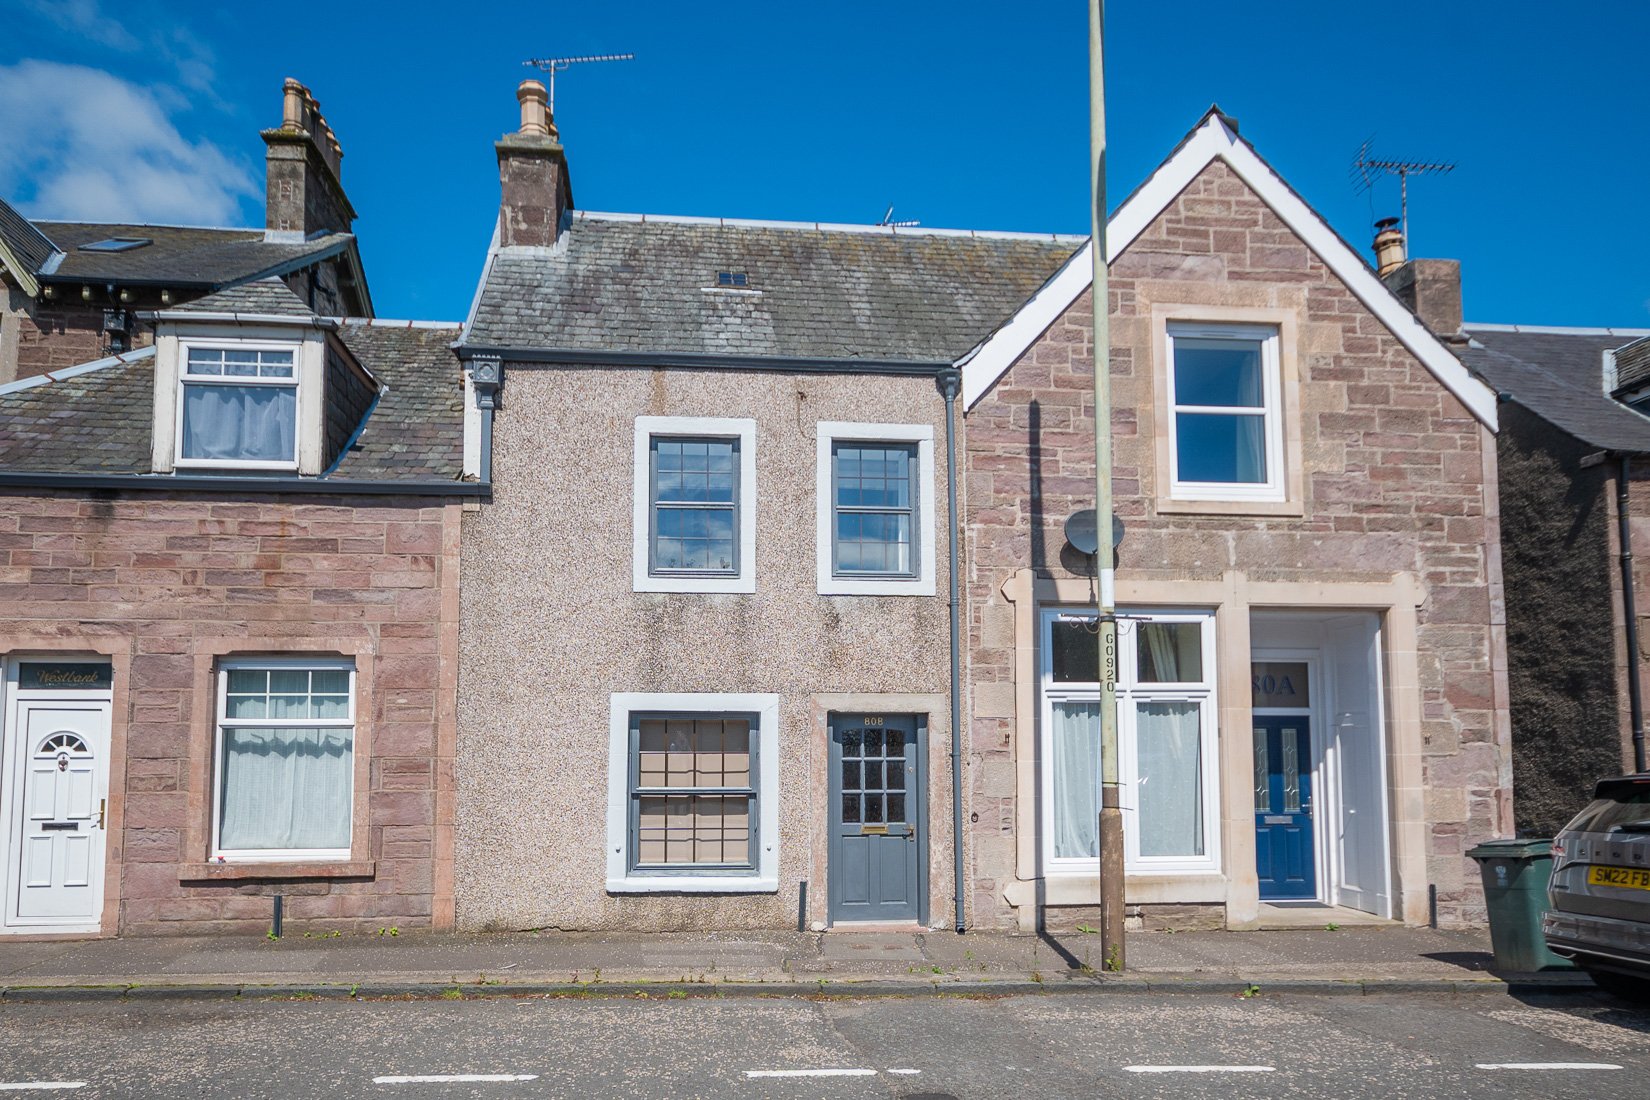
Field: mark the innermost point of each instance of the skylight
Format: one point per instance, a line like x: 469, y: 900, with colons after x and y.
x: 733, y: 278
x: 116, y: 244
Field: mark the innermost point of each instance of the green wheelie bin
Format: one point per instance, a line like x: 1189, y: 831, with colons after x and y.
x: 1515, y: 876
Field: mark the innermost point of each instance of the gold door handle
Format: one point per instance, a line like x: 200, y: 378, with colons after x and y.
x: 102, y: 805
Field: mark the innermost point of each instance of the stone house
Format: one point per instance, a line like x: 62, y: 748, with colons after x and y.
x: 229, y: 599
x: 1312, y: 694
x: 1573, y: 434
x: 1315, y: 688
x: 72, y: 291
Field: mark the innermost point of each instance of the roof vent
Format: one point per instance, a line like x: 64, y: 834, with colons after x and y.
x: 736, y: 279
x: 116, y: 244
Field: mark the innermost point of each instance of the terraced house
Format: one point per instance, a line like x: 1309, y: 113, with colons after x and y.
x: 745, y: 473
x: 228, y: 601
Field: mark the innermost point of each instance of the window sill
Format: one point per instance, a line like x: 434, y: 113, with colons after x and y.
x: 743, y: 585
x: 276, y: 869
x: 854, y: 586
x: 1170, y: 506
x: 691, y: 884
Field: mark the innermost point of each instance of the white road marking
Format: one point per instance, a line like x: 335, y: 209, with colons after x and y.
x: 437, y: 1078
x: 906, y: 1072
x: 810, y: 1073
x: 1200, y: 1069
x: 34, y: 1086
x: 1547, y: 1065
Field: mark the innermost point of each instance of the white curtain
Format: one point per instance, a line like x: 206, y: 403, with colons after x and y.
x: 1169, y: 741
x: 286, y: 788
x: 254, y: 423
x: 1076, y: 759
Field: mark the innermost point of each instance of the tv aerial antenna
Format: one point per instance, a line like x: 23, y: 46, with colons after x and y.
x: 1368, y: 169
x: 889, y: 222
x: 553, y: 65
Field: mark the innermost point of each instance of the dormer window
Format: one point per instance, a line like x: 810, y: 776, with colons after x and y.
x: 238, y: 405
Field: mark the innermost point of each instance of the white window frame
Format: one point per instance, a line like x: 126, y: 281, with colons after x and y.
x: 828, y: 433
x: 295, y: 383
x: 1129, y: 693
x: 742, y: 429
x: 1275, y: 486
x: 621, y: 879
x: 280, y: 855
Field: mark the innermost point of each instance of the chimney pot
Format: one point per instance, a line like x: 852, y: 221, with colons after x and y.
x: 535, y: 109
x: 1389, y: 247
x: 292, y: 105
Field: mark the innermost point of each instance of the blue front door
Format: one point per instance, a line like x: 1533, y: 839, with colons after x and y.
x: 1283, y: 809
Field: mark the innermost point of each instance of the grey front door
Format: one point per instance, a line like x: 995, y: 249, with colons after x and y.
x: 879, y: 832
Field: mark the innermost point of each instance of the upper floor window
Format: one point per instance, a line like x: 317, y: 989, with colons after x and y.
x: 875, y: 512
x: 238, y: 406
x: 695, y: 505
x: 873, y: 499
x: 1225, y: 423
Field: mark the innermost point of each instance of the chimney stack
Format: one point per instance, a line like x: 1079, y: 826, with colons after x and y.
x: 304, y: 196
x: 1389, y: 247
x: 535, y: 195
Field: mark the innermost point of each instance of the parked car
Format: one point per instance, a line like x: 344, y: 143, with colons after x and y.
x: 1599, y: 896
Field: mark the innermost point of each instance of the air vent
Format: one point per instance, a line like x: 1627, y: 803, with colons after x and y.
x: 736, y: 279
x: 116, y: 244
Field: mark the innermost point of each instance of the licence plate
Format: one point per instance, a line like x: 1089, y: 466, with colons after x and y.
x: 1632, y: 878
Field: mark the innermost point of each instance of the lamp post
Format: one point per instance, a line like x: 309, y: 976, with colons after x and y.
x: 1111, y: 811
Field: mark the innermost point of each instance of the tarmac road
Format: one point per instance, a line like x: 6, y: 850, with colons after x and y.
x: 1058, y: 1045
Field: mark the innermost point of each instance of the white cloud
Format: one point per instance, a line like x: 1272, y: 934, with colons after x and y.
x: 88, y: 145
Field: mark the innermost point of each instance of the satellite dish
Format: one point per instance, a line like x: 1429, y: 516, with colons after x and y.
x: 1084, y: 538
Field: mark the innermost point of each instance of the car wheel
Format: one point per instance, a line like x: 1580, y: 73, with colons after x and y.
x: 1626, y: 986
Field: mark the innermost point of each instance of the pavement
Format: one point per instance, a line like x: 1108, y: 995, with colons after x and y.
x: 1348, y: 960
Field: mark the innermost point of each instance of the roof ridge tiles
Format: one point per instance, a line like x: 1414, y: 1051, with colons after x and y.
x: 824, y: 227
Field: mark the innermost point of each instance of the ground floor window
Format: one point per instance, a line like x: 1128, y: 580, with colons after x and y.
x: 285, y: 759
x: 693, y: 800
x: 1166, y: 740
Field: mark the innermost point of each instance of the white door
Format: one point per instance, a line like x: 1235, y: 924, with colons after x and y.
x: 58, y: 760
x: 1364, y: 877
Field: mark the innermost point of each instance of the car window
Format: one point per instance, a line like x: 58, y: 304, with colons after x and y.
x: 1606, y: 813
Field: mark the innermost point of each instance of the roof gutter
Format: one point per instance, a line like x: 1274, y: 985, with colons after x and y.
x: 584, y: 357
x: 212, y: 483
x: 231, y: 318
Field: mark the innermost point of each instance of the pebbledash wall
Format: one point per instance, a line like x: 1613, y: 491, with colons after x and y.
x: 552, y: 629
x: 166, y: 584
x: 1392, y: 510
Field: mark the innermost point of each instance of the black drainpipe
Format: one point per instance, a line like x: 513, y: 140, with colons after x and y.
x: 1635, y: 700
x: 948, y: 382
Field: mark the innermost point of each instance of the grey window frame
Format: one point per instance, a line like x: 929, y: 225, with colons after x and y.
x: 635, y: 792
x: 736, y: 507
x: 911, y: 511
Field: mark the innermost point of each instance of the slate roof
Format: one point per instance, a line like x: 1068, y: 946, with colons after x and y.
x: 23, y: 239
x: 99, y: 421
x: 417, y: 430
x: 629, y: 283
x: 265, y: 297
x: 1559, y: 376
x: 181, y: 256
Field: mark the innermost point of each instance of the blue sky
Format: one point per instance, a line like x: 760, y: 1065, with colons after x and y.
x: 962, y: 114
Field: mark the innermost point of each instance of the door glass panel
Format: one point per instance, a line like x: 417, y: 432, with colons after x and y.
x: 896, y: 807
x: 850, y: 809
x: 850, y: 742
x: 896, y: 743
x: 873, y: 809
x: 873, y: 742
x: 1263, y: 773
x: 1291, y: 771
x: 896, y: 775
x: 873, y: 775
x: 850, y: 775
